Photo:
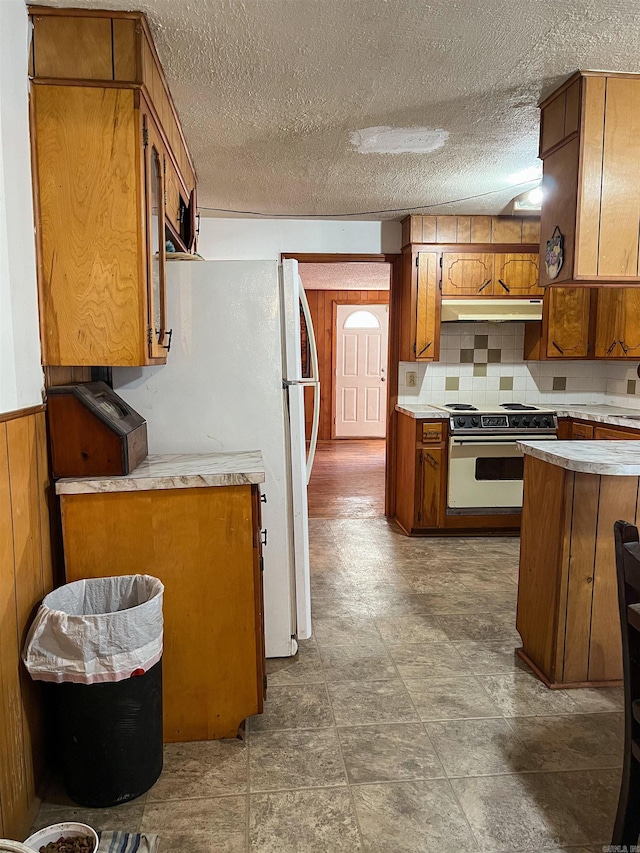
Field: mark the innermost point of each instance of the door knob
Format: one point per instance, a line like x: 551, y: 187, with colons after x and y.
x: 382, y: 379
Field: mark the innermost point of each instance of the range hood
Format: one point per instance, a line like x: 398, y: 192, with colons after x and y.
x: 490, y: 310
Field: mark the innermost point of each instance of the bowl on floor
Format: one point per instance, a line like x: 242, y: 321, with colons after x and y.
x: 67, y: 829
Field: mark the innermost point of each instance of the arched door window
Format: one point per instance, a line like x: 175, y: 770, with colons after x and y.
x: 361, y: 320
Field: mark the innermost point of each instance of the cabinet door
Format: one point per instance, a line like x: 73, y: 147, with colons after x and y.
x: 156, y: 274
x: 611, y: 434
x: 516, y: 275
x: 427, y: 308
x: 466, y: 274
x: 431, y: 462
x: 568, y: 322
x: 629, y: 322
x: 581, y: 432
x: 608, y: 318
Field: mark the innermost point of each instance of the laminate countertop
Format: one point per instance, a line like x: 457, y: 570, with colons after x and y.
x: 606, y: 458
x: 612, y: 415
x: 175, y: 471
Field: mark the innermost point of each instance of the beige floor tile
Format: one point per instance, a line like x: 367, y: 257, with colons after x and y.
x: 340, y: 631
x: 407, y: 817
x: 125, y: 818
x: 199, y: 826
x: 201, y: 769
x: 302, y: 668
x: 295, y: 759
x: 358, y: 663
x: 492, y: 657
x: 296, y: 706
x: 414, y: 628
x: 573, y: 742
x: 479, y: 747
x: 517, y: 694
x: 479, y: 627
x: 422, y: 660
x: 522, y: 812
x: 594, y: 700
x: 459, y: 697
x: 388, y: 753
x: 317, y: 821
x: 360, y: 703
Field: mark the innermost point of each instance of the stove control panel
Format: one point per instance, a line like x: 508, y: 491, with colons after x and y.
x: 508, y: 423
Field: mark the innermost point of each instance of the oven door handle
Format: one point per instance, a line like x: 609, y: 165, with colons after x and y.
x: 501, y: 442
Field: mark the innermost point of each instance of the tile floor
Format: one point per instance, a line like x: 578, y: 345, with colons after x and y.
x: 405, y: 724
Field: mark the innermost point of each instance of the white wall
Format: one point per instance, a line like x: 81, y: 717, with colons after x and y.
x: 20, y: 371
x: 266, y: 239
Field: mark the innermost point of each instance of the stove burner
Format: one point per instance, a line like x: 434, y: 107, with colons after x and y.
x: 460, y: 407
x: 518, y: 407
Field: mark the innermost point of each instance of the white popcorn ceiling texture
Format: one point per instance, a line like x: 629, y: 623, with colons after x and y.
x: 270, y: 91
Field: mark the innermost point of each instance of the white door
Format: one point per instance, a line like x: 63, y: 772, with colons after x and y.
x: 362, y: 337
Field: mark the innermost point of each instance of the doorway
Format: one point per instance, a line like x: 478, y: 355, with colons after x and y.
x: 360, y: 371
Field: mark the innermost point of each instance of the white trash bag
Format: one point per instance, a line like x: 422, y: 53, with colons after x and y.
x: 102, y: 629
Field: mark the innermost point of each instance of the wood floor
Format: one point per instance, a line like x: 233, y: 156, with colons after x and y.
x: 348, y: 479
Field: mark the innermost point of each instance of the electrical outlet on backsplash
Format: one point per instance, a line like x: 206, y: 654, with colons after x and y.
x: 482, y: 364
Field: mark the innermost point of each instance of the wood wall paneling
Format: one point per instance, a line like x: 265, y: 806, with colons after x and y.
x: 25, y: 577
x: 73, y: 48
x: 125, y: 64
x: 470, y: 229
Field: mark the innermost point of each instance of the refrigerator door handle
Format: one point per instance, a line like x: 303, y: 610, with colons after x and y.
x: 315, y: 373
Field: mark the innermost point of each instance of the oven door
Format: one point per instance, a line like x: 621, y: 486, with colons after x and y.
x: 485, y: 472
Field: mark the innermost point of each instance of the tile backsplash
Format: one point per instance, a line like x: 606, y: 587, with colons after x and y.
x: 482, y: 364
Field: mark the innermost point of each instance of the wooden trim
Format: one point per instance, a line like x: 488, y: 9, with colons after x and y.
x: 561, y: 685
x: 322, y: 258
x: 74, y: 12
x: 479, y: 248
x: 393, y: 357
x: 22, y: 413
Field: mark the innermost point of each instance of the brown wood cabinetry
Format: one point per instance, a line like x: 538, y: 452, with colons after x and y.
x: 567, y: 592
x: 566, y: 330
x: 581, y: 431
x: 618, y: 323
x: 589, y: 145
x: 593, y: 431
x: 419, y: 307
x: 204, y: 544
x: 490, y: 274
x: 112, y: 181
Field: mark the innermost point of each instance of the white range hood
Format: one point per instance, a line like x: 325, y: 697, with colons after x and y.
x: 490, y: 310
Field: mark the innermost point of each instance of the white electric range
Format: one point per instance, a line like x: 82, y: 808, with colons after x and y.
x: 485, y: 465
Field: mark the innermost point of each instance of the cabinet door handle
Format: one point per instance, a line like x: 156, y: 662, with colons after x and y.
x: 263, y: 498
x: 167, y: 335
x: 425, y: 348
x: 611, y: 348
x: 625, y: 349
x: 263, y: 536
x: 558, y: 347
x: 486, y: 284
x: 433, y: 462
x: 508, y: 289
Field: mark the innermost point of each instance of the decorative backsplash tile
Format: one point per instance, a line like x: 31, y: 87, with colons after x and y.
x: 482, y: 363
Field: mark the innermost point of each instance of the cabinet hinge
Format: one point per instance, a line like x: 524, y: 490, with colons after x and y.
x: 414, y: 349
x: 440, y: 261
x: 417, y: 260
x: 419, y: 516
x: 145, y: 136
x: 262, y: 564
x: 421, y: 457
x: 149, y: 335
x: 264, y: 682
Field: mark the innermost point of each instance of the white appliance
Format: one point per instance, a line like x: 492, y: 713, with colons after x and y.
x: 485, y: 463
x: 233, y: 381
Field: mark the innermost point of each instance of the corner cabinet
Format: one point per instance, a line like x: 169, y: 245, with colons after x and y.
x: 113, y: 181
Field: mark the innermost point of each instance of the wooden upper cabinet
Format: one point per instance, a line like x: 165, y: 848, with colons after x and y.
x: 567, y: 322
x: 113, y: 181
x: 618, y: 323
x: 590, y: 146
x: 427, y: 338
x: 516, y: 275
x: 467, y: 274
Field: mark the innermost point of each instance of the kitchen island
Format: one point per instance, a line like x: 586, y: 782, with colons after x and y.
x: 192, y: 520
x: 567, y: 591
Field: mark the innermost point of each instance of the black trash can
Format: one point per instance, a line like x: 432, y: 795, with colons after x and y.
x: 101, y: 642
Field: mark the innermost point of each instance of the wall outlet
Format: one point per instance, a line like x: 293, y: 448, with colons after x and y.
x: 410, y: 379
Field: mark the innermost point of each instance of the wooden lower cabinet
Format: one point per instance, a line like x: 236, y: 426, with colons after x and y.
x: 432, y: 462
x: 204, y: 545
x: 567, y: 590
x: 581, y: 431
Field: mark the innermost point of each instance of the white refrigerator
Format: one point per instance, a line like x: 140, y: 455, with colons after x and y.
x: 233, y: 381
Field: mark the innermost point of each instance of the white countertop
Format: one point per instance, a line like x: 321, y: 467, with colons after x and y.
x: 175, y: 471
x: 613, y: 415
x: 608, y: 458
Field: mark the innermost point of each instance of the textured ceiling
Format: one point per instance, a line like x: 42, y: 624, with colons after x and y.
x: 270, y: 91
x: 345, y: 276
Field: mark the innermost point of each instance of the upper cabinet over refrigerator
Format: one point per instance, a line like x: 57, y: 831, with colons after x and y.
x: 590, y: 145
x: 113, y: 181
